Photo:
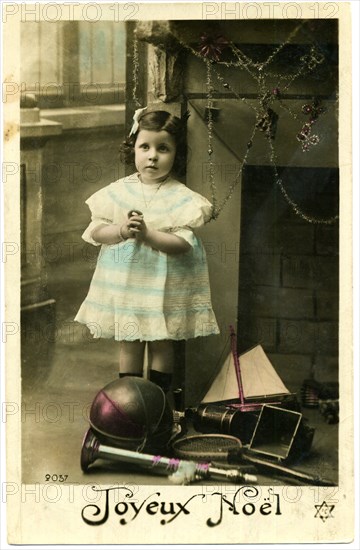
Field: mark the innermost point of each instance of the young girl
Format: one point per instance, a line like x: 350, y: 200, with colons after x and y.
x: 151, y: 281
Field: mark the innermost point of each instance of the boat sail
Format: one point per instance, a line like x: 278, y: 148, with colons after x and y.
x: 249, y: 376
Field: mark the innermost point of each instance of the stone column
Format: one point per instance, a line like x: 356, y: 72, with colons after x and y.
x: 166, y: 65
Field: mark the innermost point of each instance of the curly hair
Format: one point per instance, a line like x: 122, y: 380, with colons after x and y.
x: 157, y: 121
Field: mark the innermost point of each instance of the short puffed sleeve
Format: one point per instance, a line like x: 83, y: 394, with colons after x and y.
x: 102, y: 212
x: 198, y: 211
x: 185, y: 208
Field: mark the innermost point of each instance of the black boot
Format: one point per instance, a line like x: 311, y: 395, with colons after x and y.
x: 162, y: 379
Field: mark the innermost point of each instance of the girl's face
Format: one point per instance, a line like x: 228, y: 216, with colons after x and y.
x: 154, y: 155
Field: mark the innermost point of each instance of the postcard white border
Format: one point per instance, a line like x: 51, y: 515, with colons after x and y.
x: 59, y: 522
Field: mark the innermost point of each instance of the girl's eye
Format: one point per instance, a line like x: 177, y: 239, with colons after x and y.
x: 163, y: 148
x: 144, y: 146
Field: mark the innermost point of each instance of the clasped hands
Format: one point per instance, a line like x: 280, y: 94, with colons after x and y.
x: 162, y: 241
x: 135, y: 226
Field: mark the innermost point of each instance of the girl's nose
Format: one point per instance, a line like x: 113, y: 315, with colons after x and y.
x: 152, y: 154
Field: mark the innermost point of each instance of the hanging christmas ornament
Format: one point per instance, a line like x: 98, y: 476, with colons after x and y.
x: 267, y: 123
x: 305, y: 137
x: 212, y: 47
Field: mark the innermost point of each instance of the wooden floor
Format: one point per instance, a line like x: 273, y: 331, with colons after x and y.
x: 59, y: 388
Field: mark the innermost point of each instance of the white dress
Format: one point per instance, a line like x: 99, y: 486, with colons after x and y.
x: 137, y: 292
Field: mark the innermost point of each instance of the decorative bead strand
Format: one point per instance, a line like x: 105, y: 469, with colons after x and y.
x: 308, y: 64
x: 135, y: 69
x: 289, y: 110
x: 227, y: 86
x: 281, y: 46
x: 209, y: 117
x: 244, y: 65
x: 290, y: 201
x: 237, y: 177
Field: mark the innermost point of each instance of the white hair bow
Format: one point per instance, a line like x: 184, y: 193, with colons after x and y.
x: 136, y: 117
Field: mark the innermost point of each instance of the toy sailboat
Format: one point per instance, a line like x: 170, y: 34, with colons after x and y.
x: 248, y: 381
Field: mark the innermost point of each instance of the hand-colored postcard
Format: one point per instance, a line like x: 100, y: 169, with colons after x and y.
x: 177, y: 252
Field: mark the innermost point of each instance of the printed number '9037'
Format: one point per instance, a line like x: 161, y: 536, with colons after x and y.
x: 56, y: 477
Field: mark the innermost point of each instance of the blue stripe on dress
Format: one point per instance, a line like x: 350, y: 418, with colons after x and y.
x: 142, y: 311
x: 188, y: 291
x: 146, y: 260
x: 124, y: 202
x: 130, y: 252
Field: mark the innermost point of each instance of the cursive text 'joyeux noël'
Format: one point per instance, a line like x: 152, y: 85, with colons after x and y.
x: 128, y: 508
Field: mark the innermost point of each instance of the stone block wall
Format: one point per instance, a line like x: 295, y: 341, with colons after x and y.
x: 289, y: 272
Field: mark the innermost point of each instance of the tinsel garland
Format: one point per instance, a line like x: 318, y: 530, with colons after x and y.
x: 210, y: 51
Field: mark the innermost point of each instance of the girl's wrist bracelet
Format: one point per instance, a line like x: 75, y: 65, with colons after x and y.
x: 121, y: 233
